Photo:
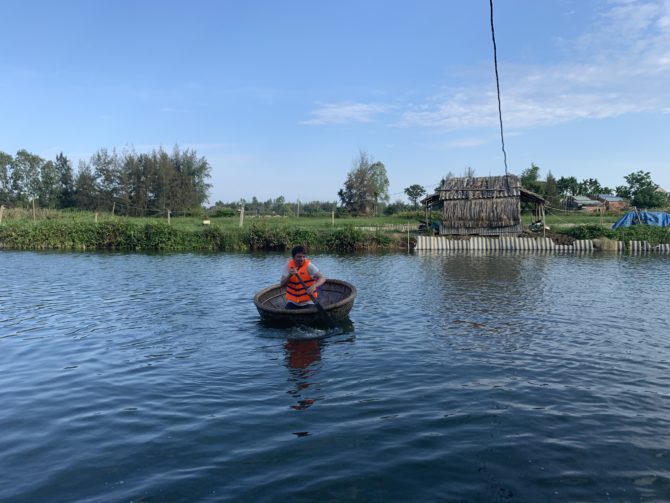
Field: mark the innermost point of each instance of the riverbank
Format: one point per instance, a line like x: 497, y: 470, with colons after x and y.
x: 129, y: 234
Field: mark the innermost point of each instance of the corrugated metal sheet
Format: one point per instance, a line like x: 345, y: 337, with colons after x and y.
x: 514, y: 243
x: 509, y: 243
x: 514, y: 230
x: 611, y: 199
x: 583, y: 200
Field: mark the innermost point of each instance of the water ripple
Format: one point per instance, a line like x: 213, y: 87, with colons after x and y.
x: 492, y: 377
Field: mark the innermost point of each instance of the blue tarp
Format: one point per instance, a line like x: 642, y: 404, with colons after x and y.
x: 658, y: 218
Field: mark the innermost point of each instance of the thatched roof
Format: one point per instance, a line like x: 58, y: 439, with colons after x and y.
x: 482, y: 187
x: 527, y: 195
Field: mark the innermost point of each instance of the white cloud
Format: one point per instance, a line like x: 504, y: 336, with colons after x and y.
x: 621, y: 66
x: 457, y: 110
x: 344, y: 113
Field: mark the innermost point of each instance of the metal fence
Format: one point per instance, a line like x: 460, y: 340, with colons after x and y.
x: 527, y: 244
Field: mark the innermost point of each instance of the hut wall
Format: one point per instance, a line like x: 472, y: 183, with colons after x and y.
x: 490, y: 216
x: 489, y: 205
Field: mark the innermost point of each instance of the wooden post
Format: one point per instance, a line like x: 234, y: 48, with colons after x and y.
x: 2, y: 208
x: 408, y: 236
x: 298, y: 208
x: 113, y: 206
x: 332, y: 217
x: 96, y: 217
x: 242, y: 215
x: 168, y: 215
x: 33, y: 209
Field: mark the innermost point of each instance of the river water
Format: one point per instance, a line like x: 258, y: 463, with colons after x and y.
x: 460, y: 377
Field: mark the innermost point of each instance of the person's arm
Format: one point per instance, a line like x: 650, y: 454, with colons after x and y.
x: 319, y: 278
x: 286, y: 275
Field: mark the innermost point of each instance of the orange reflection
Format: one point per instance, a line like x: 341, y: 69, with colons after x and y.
x: 302, y: 353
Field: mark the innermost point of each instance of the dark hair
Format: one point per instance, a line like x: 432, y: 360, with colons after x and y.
x: 297, y: 249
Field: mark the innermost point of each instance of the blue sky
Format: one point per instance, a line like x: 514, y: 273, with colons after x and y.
x: 281, y: 96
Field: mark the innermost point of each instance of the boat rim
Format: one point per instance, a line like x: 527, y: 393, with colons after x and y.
x: 308, y: 310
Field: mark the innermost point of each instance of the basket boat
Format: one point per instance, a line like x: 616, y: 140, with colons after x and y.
x: 336, y: 297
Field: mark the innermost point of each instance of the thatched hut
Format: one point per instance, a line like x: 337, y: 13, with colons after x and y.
x: 487, y: 205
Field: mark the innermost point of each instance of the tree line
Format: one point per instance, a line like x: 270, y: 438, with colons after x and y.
x: 139, y: 184
x: 278, y: 206
x: 639, y: 189
x: 129, y: 183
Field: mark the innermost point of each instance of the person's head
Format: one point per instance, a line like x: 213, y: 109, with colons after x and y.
x: 298, y: 253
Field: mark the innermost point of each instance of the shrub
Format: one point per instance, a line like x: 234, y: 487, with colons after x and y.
x: 589, y: 231
x: 222, y: 211
x: 653, y: 234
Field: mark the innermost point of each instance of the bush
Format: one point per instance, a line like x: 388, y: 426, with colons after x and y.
x: 654, y: 235
x: 412, y: 215
x: 590, y: 231
x: 127, y: 234
x: 222, y: 211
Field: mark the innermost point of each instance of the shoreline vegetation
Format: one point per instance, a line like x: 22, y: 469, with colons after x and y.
x: 84, y: 231
x: 127, y: 235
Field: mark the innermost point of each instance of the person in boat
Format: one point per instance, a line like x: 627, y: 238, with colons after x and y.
x: 296, y: 295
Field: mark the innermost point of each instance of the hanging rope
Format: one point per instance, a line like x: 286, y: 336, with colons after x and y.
x: 495, y: 64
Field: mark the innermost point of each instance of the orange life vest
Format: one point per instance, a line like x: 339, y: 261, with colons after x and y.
x: 295, y: 292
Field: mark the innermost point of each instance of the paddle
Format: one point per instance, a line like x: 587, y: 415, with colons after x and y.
x: 318, y: 305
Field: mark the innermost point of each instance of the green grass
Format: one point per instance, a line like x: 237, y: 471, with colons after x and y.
x: 83, y: 230
x: 558, y: 219
x: 195, y: 223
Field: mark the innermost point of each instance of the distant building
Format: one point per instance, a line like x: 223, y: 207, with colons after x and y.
x: 583, y: 203
x: 613, y: 204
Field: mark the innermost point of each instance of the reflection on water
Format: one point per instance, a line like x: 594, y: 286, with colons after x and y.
x: 459, y: 377
x: 300, y: 354
x: 300, y: 357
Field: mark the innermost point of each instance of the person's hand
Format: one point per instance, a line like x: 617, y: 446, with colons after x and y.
x: 293, y: 270
x: 311, y: 289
